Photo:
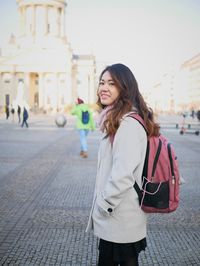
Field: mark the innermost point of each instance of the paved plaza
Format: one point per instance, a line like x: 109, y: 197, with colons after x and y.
x: 46, y: 191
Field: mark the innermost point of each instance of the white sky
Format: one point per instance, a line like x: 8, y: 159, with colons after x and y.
x: 147, y: 35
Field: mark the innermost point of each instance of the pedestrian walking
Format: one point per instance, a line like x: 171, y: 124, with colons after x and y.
x: 7, y: 111
x: 25, y: 117
x: 19, y: 113
x: 84, y: 124
x: 198, y: 115
x: 116, y: 217
x: 193, y: 113
x: 13, y: 113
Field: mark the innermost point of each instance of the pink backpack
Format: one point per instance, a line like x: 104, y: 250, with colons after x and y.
x: 161, y: 177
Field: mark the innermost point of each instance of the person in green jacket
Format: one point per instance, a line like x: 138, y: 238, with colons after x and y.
x: 84, y: 123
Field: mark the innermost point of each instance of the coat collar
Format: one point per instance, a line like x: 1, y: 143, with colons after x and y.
x: 134, y: 110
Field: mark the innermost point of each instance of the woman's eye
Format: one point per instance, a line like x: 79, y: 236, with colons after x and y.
x: 101, y: 83
x: 111, y: 84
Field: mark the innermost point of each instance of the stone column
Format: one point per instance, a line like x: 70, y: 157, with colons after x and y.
x: 62, y: 22
x: 57, y: 22
x: 41, y: 26
x: 92, y: 87
x: 14, y: 84
x: 41, y: 91
x: 46, y: 20
x: 74, y: 89
x: 44, y: 91
x: 20, y: 21
x: 54, y: 22
x: 2, y: 97
x: 27, y: 88
x: 50, y: 20
x: 23, y: 21
x: 57, y: 92
x: 69, y: 86
x: 33, y: 20
x: 28, y: 20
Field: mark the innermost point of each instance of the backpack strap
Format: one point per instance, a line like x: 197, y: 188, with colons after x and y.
x: 139, y: 192
x: 170, y: 158
x: 156, y: 157
x: 141, y: 121
x: 137, y: 117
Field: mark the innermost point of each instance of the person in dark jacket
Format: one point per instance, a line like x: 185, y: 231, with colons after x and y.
x: 198, y: 115
x: 7, y: 111
x: 19, y: 113
x: 13, y: 113
x: 25, y: 117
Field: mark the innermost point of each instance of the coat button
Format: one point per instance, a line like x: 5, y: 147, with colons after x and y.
x: 109, y: 210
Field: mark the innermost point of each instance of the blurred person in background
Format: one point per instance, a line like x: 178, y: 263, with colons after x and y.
x: 84, y: 124
x: 7, y: 111
x: 19, y: 113
x: 25, y: 117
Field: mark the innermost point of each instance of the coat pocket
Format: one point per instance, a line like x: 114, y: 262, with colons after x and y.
x: 105, y: 208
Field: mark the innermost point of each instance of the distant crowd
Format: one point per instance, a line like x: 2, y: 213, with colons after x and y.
x: 22, y: 114
x: 193, y: 114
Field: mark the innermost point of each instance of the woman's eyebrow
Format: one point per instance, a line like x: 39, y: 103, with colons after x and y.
x: 107, y: 80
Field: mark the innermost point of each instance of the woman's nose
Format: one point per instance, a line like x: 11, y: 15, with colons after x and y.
x: 104, y: 87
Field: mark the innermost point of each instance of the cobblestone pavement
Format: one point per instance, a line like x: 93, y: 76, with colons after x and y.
x: 46, y: 191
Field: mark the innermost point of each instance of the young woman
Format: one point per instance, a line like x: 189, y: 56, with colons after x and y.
x: 116, y: 216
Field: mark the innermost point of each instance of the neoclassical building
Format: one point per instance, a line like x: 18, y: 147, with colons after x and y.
x: 39, y: 67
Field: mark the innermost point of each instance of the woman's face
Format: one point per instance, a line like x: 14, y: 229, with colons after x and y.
x: 108, y: 92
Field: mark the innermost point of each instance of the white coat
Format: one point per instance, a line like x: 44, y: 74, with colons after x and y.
x: 115, y: 214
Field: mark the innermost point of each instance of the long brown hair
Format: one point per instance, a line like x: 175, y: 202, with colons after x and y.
x: 129, y: 97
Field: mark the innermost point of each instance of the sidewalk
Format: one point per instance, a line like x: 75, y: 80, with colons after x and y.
x: 46, y: 191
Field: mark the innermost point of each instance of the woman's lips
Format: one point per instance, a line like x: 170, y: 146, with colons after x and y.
x: 104, y: 96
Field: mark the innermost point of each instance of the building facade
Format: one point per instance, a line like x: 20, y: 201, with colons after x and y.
x: 38, y: 68
x: 162, y: 94
x: 191, y: 71
x: 177, y: 90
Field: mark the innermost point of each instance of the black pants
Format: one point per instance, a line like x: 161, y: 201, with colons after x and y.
x: 24, y: 122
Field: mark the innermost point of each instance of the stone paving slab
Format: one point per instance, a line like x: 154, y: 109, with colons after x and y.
x: 46, y: 192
